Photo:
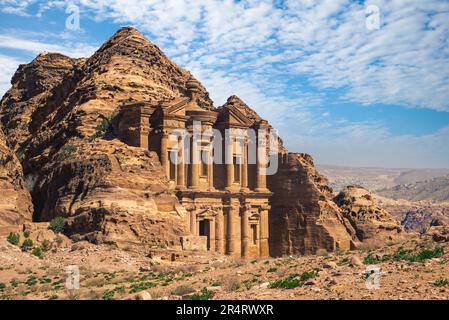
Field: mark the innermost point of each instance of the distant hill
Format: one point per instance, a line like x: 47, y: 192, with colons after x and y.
x: 376, y: 178
x: 436, y: 189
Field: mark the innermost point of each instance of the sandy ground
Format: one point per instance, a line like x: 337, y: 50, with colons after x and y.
x: 110, y: 273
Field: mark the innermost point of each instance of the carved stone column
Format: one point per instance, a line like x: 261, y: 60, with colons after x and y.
x: 229, y: 231
x: 212, y: 235
x: 219, y: 235
x: 195, y: 166
x: 234, y: 231
x: 264, y: 232
x: 144, y: 132
x: 245, y: 230
x: 229, y: 163
x: 261, y: 179
x: 193, y: 229
x: 210, y: 167
x: 181, y: 166
x: 164, y: 153
x: 233, y: 228
x: 245, y: 166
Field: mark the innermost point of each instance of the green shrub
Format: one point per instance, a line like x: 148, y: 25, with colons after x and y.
x: 429, y: 254
x: 26, y: 234
x: 308, y: 275
x: 216, y: 284
x: 46, y: 245
x: 66, y: 151
x: 288, y: 283
x: 293, y: 281
x: 203, y: 295
x: 31, y: 281
x: 14, y: 283
x: 37, y: 252
x: 27, y: 244
x: 57, y: 225
x: 406, y: 255
x: 103, y: 126
x: 441, y: 283
x: 13, y: 238
x: 76, y: 238
x: 108, y: 295
x: 101, y: 129
x: 272, y: 270
x: 2, y: 286
x: 141, y: 286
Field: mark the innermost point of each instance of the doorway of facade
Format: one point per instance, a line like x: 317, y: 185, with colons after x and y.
x: 205, y: 231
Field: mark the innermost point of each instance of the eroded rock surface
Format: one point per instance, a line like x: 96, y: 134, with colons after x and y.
x: 15, y: 200
x: 373, y: 225
x: 304, y: 218
x: 58, y: 116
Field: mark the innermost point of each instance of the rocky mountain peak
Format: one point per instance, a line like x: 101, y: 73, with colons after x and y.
x: 240, y: 105
x: 131, y: 62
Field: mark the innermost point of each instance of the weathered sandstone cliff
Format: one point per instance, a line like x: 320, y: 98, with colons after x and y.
x: 58, y: 116
x: 304, y: 218
x: 15, y: 200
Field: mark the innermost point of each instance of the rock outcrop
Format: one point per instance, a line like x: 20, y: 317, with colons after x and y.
x: 303, y: 217
x: 15, y: 200
x: 58, y: 116
x: 420, y: 219
x: 373, y: 225
x: 439, y: 231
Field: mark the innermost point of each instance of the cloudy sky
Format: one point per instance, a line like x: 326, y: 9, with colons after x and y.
x: 359, y: 83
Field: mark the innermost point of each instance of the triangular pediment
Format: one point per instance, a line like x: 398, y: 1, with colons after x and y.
x: 176, y: 107
x: 234, y: 117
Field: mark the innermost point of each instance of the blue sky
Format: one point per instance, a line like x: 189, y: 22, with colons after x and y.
x: 333, y: 87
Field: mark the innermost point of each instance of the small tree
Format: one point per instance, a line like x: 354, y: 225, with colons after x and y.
x: 27, y: 244
x: 37, y: 252
x: 13, y: 238
x: 57, y: 225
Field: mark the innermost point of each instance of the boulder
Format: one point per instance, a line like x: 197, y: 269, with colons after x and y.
x: 374, y: 226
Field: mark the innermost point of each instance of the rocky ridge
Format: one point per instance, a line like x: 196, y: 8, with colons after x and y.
x: 436, y: 190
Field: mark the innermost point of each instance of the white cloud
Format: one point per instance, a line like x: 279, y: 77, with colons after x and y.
x: 326, y: 40
x: 366, y: 144
x: 257, y: 51
x: 9, y: 66
x: 75, y: 50
x: 17, y: 7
